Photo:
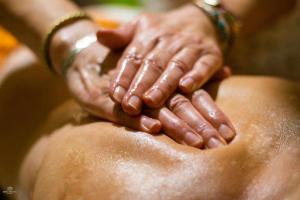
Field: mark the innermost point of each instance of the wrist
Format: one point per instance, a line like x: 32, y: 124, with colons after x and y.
x: 64, y: 40
x: 203, y: 22
x: 225, y: 23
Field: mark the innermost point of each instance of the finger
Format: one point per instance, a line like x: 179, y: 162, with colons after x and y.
x: 202, y: 71
x: 167, y: 83
x: 93, y: 96
x: 222, y: 74
x: 176, y: 128
x: 117, y: 38
x: 183, y: 108
x: 207, y: 107
x: 153, y: 66
x: 128, y: 65
x: 141, y: 122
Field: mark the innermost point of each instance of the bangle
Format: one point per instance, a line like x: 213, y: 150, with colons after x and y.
x: 79, y: 46
x: 226, y: 23
x: 58, y: 25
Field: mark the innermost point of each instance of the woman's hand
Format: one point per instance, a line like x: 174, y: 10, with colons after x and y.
x: 193, y: 121
x: 165, y: 51
x: 84, y: 80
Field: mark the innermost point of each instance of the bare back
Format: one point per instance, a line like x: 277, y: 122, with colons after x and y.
x: 100, y: 160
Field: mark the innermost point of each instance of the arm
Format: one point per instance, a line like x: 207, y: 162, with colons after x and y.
x: 30, y: 21
x: 181, y: 50
x: 177, y: 50
x: 255, y: 14
x: 34, y: 19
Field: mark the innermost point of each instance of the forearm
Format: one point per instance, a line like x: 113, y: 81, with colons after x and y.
x: 256, y: 13
x: 30, y: 20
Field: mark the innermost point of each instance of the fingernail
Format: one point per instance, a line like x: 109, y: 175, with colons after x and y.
x: 193, y: 139
x: 134, y: 103
x: 214, y: 143
x: 119, y: 94
x: 188, y: 84
x: 226, y: 132
x: 151, y: 126
x: 154, y: 97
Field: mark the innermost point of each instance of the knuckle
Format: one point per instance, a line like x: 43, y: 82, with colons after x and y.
x: 202, y: 127
x: 206, y: 64
x: 133, y: 57
x: 168, y: 87
x: 178, y: 102
x: 216, y: 115
x: 209, y: 132
x: 154, y: 64
x: 199, y: 94
x: 178, y: 129
x: 194, y: 47
x: 165, y: 36
x: 195, y: 39
x: 180, y: 65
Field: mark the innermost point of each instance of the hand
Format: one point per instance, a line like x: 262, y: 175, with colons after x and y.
x: 84, y: 80
x: 177, y: 119
x: 190, y: 121
x: 195, y: 121
x: 164, y: 51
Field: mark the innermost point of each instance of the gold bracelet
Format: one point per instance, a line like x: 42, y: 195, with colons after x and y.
x: 58, y: 25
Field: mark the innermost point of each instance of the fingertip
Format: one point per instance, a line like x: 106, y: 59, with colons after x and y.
x: 150, y: 125
x: 132, y: 105
x: 118, y: 93
x: 215, y: 143
x: 227, y: 133
x: 153, y: 98
x: 187, y: 85
x: 156, y: 128
x: 193, y: 139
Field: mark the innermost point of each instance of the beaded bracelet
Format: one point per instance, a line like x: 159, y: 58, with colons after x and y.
x: 227, y: 25
x: 58, y: 25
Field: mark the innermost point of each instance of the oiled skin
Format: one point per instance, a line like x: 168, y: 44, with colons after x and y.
x: 99, y: 160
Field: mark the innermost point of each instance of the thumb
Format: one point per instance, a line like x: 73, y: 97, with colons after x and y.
x: 117, y: 38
